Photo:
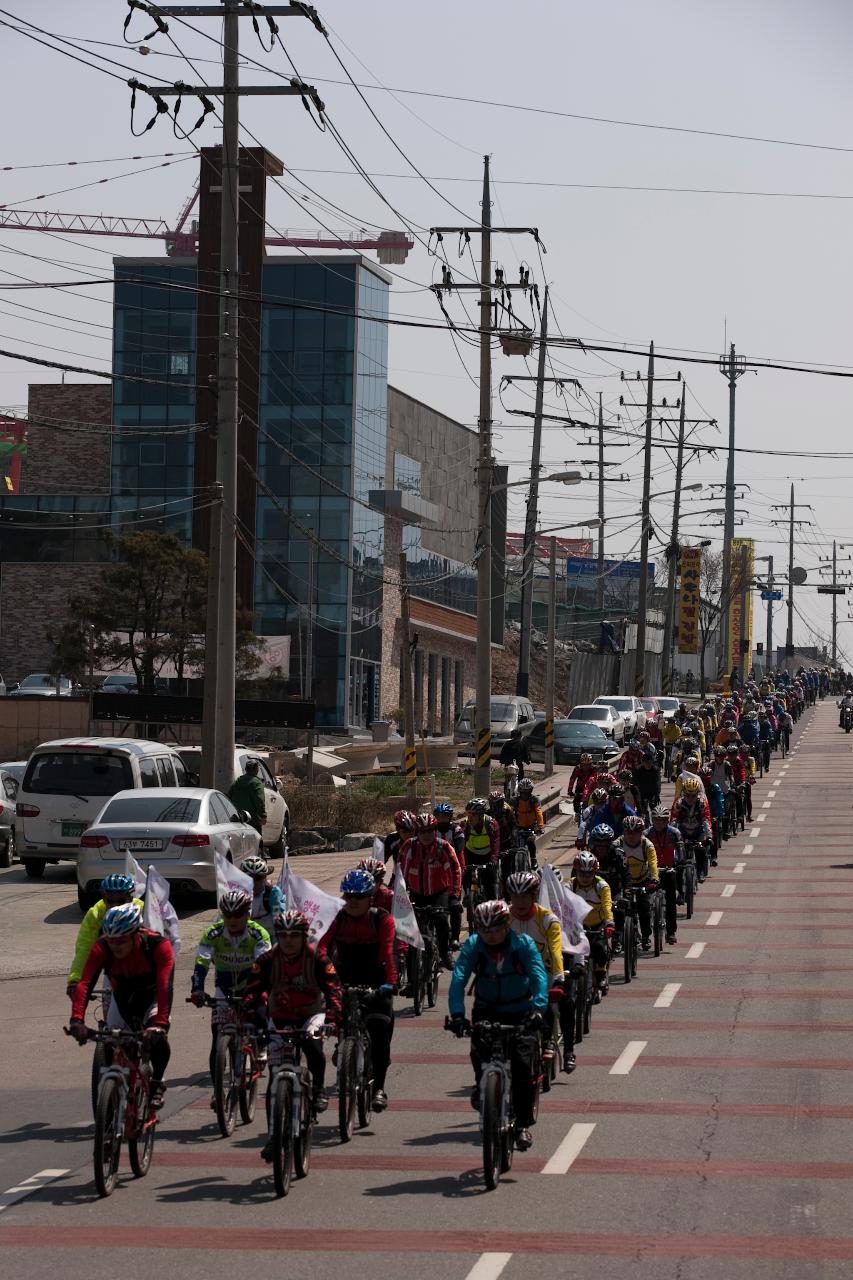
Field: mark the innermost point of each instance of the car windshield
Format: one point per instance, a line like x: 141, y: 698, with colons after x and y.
x: 621, y: 704
x: 502, y: 710
x: 590, y: 713
x: 578, y: 732
x: 119, y: 680
x: 77, y: 773
x: 668, y: 704
x: 144, y: 808
x: 649, y: 704
x: 44, y: 682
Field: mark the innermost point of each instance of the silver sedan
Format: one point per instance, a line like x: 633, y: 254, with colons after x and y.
x: 179, y: 829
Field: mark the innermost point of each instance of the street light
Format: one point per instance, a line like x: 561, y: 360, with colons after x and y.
x: 563, y: 477
x: 686, y: 488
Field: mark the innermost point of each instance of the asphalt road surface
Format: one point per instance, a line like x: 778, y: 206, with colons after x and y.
x: 705, y: 1133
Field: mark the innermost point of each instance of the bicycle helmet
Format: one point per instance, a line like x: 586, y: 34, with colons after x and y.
x: 357, y: 883
x: 120, y: 921
x: 427, y: 822
x: 719, y: 750
x: 496, y: 797
x: 444, y: 810
x: 255, y: 866
x: 616, y: 790
x: 707, y: 770
x: 489, y: 915
x: 693, y: 761
x: 558, y: 875
x: 649, y: 752
x: 633, y: 823
x: 235, y: 902
x: 291, y: 922
x: 602, y: 832
x: 374, y: 867
x: 523, y: 882
x: 585, y: 862
x: 660, y: 811
x: 691, y: 787
x: 525, y: 787
x: 476, y: 805
x: 118, y: 883
x: 633, y: 743
x: 404, y: 820
x: 586, y: 758
x: 598, y: 796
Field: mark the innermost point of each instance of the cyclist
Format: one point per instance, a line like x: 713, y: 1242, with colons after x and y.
x: 404, y: 829
x: 453, y: 833
x: 482, y: 846
x: 691, y: 815
x: 669, y: 850
x: 117, y: 889
x: 647, y: 779
x: 510, y: 987
x: 629, y: 788
x: 632, y: 756
x: 540, y: 924
x: 692, y: 765
x: 671, y: 732
x: 231, y: 945
x: 614, y: 813
x: 360, y: 943
x: 580, y: 776
x: 528, y: 815
x: 722, y: 774
x: 298, y: 986
x: 139, y: 965
x: 267, y: 899
x: 515, y: 751
x: 846, y: 704
x: 596, y: 800
x: 642, y: 864
x: 433, y: 877
x: 598, y: 924
x: 766, y: 736
x: 504, y: 815
x: 382, y: 896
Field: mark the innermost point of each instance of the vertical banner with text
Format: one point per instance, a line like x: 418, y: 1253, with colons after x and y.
x: 688, y: 600
x: 740, y: 606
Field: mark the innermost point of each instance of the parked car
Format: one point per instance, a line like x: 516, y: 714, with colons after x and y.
x: 278, y: 814
x: 42, y: 685
x: 67, y: 782
x: 17, y: 768
x: 630, y: 709
x: 668, y: 706
x: 2, y: 687
x: 179, y: 829
x: 8, y: 796
x: 506, y: 713
x: 607, y: 718
x: 571, y: 739
x: 652, y: 709
x: 118, y: 683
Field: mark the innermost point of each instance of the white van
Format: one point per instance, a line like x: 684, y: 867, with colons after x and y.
x: 67, y: 783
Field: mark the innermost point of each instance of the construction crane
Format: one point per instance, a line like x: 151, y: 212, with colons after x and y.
x: 391, y: 247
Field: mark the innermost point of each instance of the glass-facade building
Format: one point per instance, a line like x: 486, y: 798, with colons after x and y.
x: 322, y: 427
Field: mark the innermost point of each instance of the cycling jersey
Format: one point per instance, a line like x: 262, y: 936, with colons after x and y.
x: 87, y: 936
x: 231, y: 957
x: 641, y: 860
x: 716, y: 799
x: 482, y: 844
x: 722, y: 775
x: 139, y: 980
x: 362, y: 948
x: 580, y: 776
x: 600, y: 900
x: 647, y: 780
x: 544, y: 928
x: 528, y: 814
x: 597, y: 780
x: 669, y: 846
x: 505, y: 818
x: 297, y: 989
x: 431, y: 869
x: 693, y: 818
x: 671, y: 732
x: 614, y: 820
x: 268, y: 904
x: 510, y: 979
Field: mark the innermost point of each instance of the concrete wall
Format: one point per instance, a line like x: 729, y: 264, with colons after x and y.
x: 69, y: 438
x: 32, y: 597
x: 592, y: 674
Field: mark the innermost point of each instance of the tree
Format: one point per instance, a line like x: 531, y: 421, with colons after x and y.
x: 147, y: 610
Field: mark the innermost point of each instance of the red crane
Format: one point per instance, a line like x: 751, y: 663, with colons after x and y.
x: 391, y: 247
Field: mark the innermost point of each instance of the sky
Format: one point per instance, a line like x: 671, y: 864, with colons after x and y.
x: 691, y: 270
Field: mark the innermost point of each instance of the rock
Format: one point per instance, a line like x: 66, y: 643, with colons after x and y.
x: 357, y: 840
x: 329, y: 833
x: 305, y: 839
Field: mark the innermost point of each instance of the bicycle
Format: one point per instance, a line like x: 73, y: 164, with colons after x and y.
x: 581, y: 976
x: 290, y: 1107
x: 521, y: 859
x: 475, y: 893
x: 237, y: 1066
x: 511, y: 783
x: 656, y: 910
x: 424, y: 967
x: 124, y: 1106
x: 354, y: 1061
x: 630, y: 933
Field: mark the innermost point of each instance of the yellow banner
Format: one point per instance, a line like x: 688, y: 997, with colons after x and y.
x: 740, y: 607
x: 688, y: 601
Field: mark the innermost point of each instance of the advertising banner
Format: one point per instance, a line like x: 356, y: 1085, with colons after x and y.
x: 688, y: 600
x: 740, y: 607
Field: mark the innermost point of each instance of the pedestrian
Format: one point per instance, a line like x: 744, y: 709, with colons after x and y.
x: 247, y: 796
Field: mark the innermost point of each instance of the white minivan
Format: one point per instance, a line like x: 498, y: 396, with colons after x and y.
x: 67, y: 783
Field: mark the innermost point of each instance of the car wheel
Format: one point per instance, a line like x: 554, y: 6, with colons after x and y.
x: 7, y: 853
x: 34, y: 867
x: 276, y: 849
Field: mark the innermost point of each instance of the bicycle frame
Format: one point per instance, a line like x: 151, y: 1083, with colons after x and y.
x: 127, y: 1070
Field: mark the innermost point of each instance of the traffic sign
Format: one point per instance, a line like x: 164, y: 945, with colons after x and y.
x: 771, y: 595
x: 831, y: 591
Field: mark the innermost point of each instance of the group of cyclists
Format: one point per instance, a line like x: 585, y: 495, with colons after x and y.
x: 634, y: 855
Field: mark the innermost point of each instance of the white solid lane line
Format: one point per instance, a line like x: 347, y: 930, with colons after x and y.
x: 766, y: 805
x: 694, y: 951
x: 569, y: 1149
x: 666, y: 997
x: 728, y: 890
x: 738, y: 868
x: 747, y: 849
x: 628, y: 1057
x: 755, y: 833
x: 29, y: 1185
x: 761, y: 817
x: 714, y: 918
x: 488, y: 1266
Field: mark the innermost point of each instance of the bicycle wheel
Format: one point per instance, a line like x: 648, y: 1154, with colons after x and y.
x: 521, y: 860
x: 491, y: 1115
x: 302, y: 1144
x: 364, y: 1087
x: 580, y: 995
x: 346, y: 1088
x: 282, y: 1134
x: 107, y: 1136
x: 635, y: 946
x: 140, y: 1147
x: 689, y: 889
x: 225, y: 1084
x: 248, y: 1091
x: 657, y: 923
x: 433, y: 979
x: 99, y: 1061
x: 627, y: 937
x: 416, y: 980
x: 587, y: 1003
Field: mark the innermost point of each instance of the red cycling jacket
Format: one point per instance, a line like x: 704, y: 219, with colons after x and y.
x: 429, y: 870
x: 138, y: 980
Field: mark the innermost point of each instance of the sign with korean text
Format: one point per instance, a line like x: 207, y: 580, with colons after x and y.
x: 740, y: 606
x: 688, y: 600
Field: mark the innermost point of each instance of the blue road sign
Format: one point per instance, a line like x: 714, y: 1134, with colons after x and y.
x: 771, y: 595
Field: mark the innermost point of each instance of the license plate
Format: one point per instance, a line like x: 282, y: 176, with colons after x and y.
x: 141, y: 846
x: 72, y: 830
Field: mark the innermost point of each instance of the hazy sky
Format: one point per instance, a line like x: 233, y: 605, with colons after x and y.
x: 625, y: 266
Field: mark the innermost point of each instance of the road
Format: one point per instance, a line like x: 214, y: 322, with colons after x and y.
x: 705, y: 1133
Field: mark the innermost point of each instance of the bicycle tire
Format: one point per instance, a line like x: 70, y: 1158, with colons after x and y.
x: 627, y: 935
x: 248, y: 1092
x: 107, y: 1145
x: 689, y: 891
x: 537, y: 1078
x: 303, y: 1143
x: 415, y: 979
x: 657, y: 928
x: 580, y: 994
x: 346, y: 1088
x: 491, y: 1116
x: 587, y: 1006
x: 224, y: 1087
x: 99, y: 1061
x: 140, y: 1147
x: 433, y: 983
x: 282, y: 1134
x: 364, y: 1087
x: 635, y: 947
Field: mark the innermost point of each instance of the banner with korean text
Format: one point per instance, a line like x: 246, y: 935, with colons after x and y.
x: 688, y: 600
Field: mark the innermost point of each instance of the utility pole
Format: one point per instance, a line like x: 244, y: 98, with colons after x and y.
x: 769, y: 645
x: 220, y: 674
x: 789, y: 634
x: 522, y: 679
x: 672, y: 553
x: 599, y: 580
x: 309, y: 655
x: 834, y: 609
x: 731, y: 367
x: 410, y: 758
x: 551, y: 662
x: 645, y: 522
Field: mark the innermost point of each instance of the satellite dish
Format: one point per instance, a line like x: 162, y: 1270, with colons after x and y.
x: 798, y: 576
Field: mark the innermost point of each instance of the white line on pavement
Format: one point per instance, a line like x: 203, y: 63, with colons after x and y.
x: 628, y: 1057
x: 694, y: 951
x: 766, y: 804
x: 569, y: 1149
x: 488, y: 1266
x: 714, y: 918
x: 728, y: 890
x: 747, y: 848
x: 666, y: 997
x: 755, y: 833
x: 738, y: 868
x: 761, y: 817
x: 770, y: 796
x: 29, y: 1185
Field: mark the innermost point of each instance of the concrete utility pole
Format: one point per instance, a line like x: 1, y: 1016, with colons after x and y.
x: 672, y: 551
x: 551, y: 662
x: 309, y: 653
x: 522, y: 680
x: 789, y: 634
x: 731, y: 367
x: 599, y: 580
x: 769, y: 645
x: 220, y: 675
x: 834, y: 602
x: 410, y: 758
x: 645, y: 523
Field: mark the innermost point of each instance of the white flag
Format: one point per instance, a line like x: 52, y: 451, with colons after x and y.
x: 159, y: 913
x: 564, y: 905
x: 404, y: 913
x: 379, y: 848
x: 301, y: 895
x: 229, y: 877
x: 132, y: 868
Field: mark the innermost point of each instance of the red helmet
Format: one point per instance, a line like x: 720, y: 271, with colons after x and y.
x: 404, y: 820
x: 585, y: 861
x: 427, y: 822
